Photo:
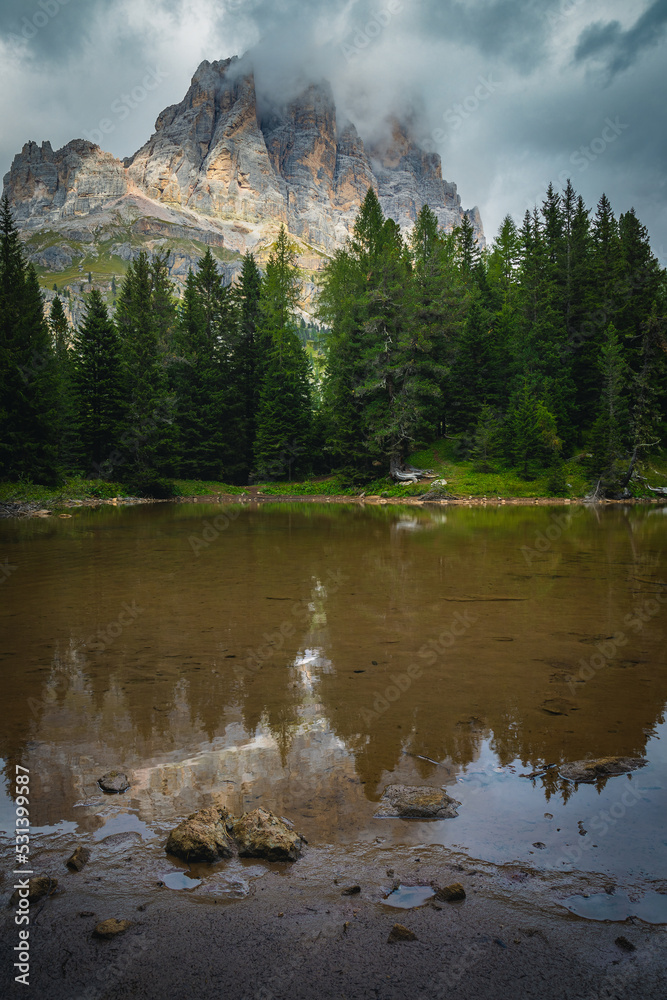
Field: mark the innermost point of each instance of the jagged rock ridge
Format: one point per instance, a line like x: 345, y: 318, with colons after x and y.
x: 234, y: 167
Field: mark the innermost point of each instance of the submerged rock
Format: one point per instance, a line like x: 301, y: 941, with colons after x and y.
x: 416, y: 802
x: 450, y: 893
x: 113, y: 781
x: 201, y: 837
x: 260, y: 834
x: 38, y: 887
x: 400, y: 933
x: 603, y: 767
x: 111, y: 928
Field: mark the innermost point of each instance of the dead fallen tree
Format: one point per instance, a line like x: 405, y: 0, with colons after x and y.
x: 408, y: 473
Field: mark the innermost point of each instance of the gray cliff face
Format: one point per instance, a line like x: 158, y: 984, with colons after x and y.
x: 224, y: 160
x: 75, y: 180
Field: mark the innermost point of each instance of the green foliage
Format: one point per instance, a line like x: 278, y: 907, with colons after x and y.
x: 284, y: 416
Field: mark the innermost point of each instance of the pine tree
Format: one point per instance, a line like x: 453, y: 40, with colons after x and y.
x: 249, y: 358
x: 97, y: 382
x: 61, y: 333
x: 611, y: 431
x: 149, y: 414
x: 28, y: 375
x: 285, y: 413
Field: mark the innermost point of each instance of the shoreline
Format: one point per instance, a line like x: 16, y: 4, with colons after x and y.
x: 17, y: 510
x: 297, y: 935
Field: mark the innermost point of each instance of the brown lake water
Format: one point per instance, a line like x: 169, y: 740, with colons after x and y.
x: 303, y: 657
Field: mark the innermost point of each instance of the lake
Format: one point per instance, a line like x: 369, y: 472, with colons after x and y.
x: 305, y: 656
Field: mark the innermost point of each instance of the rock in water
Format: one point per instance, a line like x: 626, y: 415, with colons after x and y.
x: 111, y: 928
x: 603, y: 767
x: 113, y: 781
x: 400, y: 933
x: 80, y: 857
x: 260, y: 834
x: 450, y: 893
x: 416, y: 802
x: 41, y: 885
x: 201, y: 837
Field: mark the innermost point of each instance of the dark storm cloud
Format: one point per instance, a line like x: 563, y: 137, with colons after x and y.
x: 506, y: 87
x: 621, y: 49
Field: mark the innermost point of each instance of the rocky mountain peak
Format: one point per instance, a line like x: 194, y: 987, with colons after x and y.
x: 234, y: 164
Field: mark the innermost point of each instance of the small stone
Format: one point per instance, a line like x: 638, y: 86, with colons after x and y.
x: 450, y: 893
x: 111, y: 928
x: 390, y: 872
x: 352, y: 890
x: 86, y: 913
x: 38, y: 887
x: 623, y: 943
x: 80, y: 857
x: 400, y: 933
x: 113, y: 782
x: 540, y: 846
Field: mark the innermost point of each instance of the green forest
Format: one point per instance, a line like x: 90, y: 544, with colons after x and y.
x: 548, y: 345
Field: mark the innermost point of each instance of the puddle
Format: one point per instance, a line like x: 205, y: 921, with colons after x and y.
x: 409, y: 897
x: 124, y: 823
x: 651, y: 908
x: 181, y: 880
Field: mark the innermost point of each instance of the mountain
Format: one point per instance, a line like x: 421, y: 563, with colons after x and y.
x: 224, y: 169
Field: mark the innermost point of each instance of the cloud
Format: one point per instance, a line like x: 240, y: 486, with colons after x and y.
x: 505, y: 87
x: 619, y: 49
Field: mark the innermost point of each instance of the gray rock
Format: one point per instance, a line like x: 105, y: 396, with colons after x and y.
x: 260, y: 834
x: 416, y: 802
x: 201, y: 837
x: 113, y: 782
x: 602, y: 767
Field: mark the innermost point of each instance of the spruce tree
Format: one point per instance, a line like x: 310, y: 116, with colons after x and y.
x: 249, y: 352
x: 97, y: 386
x: 611, y: 430
x: 149, y: 412
x: 285, y: 412
x: 61, y: 333
x: 28, y: 372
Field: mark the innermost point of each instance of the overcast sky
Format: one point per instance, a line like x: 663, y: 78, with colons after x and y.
x: 515, y: 92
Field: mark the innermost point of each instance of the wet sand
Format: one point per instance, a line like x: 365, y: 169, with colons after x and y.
x: 296, y: 936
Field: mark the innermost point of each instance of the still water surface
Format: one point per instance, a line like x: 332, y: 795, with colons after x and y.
x: 303, y: 657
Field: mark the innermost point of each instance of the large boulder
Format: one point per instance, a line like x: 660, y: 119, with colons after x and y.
x: 201, y: 837
x: 602, y: 767
x: 416, y: 802
x: 260, y: 834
